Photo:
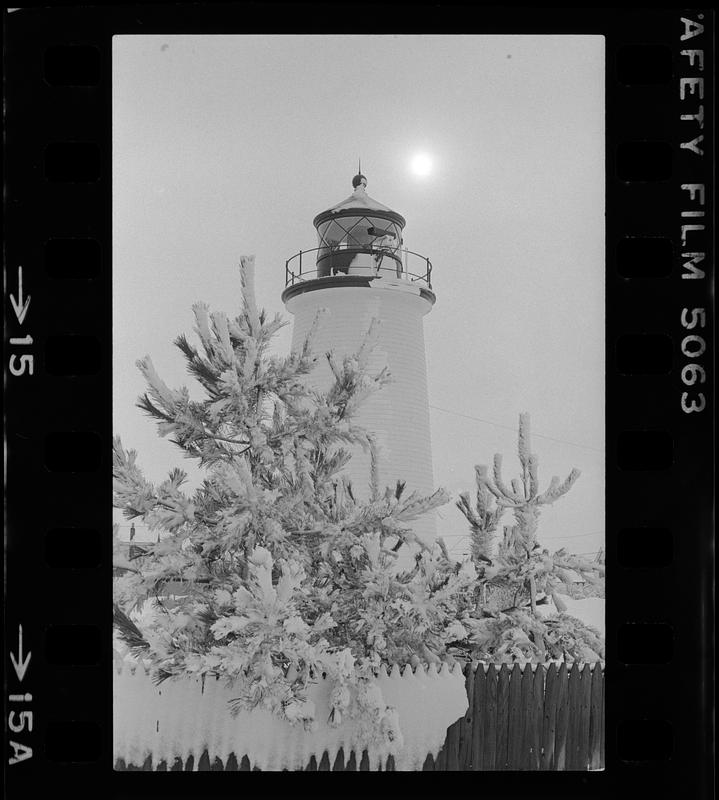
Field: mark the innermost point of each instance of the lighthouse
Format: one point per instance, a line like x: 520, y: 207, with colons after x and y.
x: 359, y: 271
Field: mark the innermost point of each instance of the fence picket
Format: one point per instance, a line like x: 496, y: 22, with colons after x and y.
x: 602, y: 725
x: 502, y: 757
x: 595, y: 717
x: 526, y: 716
x: 339, y: 762
x: 549, y: 720
x: 515, y: 734
x: 465, y: 737
x: 428, y: 763
x: 574, y: 703
x: 560, y: 735
x: 490, y: 749
x: 583, y: 755
x: 440, y: 763
x: 451, y: 746
x: 479, y: 729
x: 535, y: 760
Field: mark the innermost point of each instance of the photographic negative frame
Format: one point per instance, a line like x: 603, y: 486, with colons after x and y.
x: 59, y: 273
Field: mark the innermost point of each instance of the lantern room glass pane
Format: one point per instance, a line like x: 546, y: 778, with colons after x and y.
x: 331, y: 233
x: 340, y: 239
x: 358, y: 235
x: 359, y: 231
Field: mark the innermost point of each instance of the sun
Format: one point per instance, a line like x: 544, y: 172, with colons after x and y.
x: 421, y: 165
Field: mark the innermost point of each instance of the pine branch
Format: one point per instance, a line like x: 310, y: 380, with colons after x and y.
x: 128, y: 631
x: 198, y: 367
x: 145, y: 404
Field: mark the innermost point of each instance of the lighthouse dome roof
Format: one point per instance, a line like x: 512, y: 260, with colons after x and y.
x: 359, y: 201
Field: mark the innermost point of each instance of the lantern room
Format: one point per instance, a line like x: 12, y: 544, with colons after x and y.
x: 359, y: 241
x: 359, y: 236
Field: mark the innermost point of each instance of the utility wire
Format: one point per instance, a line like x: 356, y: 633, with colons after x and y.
x: 510, y: 428
x: 577, y: 536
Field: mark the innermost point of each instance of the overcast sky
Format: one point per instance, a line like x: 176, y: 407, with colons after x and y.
x: 226, y: 145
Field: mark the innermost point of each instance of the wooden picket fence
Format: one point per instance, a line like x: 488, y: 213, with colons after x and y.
x: 531, y: 717
x: 534, y: 717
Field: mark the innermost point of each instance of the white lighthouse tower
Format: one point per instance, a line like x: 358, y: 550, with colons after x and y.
x: 361, y: 270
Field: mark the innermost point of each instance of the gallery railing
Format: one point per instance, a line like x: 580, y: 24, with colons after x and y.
x: 320, y: 262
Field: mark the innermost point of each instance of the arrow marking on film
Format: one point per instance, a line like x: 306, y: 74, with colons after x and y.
x: 20, y: 665
x: 19, y: 307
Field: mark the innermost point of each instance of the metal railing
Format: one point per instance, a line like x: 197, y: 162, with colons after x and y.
x: 301, y: 268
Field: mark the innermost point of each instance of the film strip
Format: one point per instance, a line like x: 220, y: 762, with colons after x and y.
x: 659, y: 383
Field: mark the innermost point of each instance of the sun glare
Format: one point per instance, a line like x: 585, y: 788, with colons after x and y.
x: 421, y: 165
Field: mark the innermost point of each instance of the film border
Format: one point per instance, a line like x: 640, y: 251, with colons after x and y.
x: 42, y: 599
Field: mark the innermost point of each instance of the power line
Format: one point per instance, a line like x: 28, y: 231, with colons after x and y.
x: 577, y: 536
x: 510, y: 428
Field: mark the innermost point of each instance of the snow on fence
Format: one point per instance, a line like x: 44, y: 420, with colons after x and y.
x: 532, y: 717
x: 189, y: 718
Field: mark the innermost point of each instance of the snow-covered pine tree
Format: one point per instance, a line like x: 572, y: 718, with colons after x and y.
x: 515, y: 572
x: 277, y: 572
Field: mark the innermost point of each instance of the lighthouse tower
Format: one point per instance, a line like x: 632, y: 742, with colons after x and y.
x: 361, y: 270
